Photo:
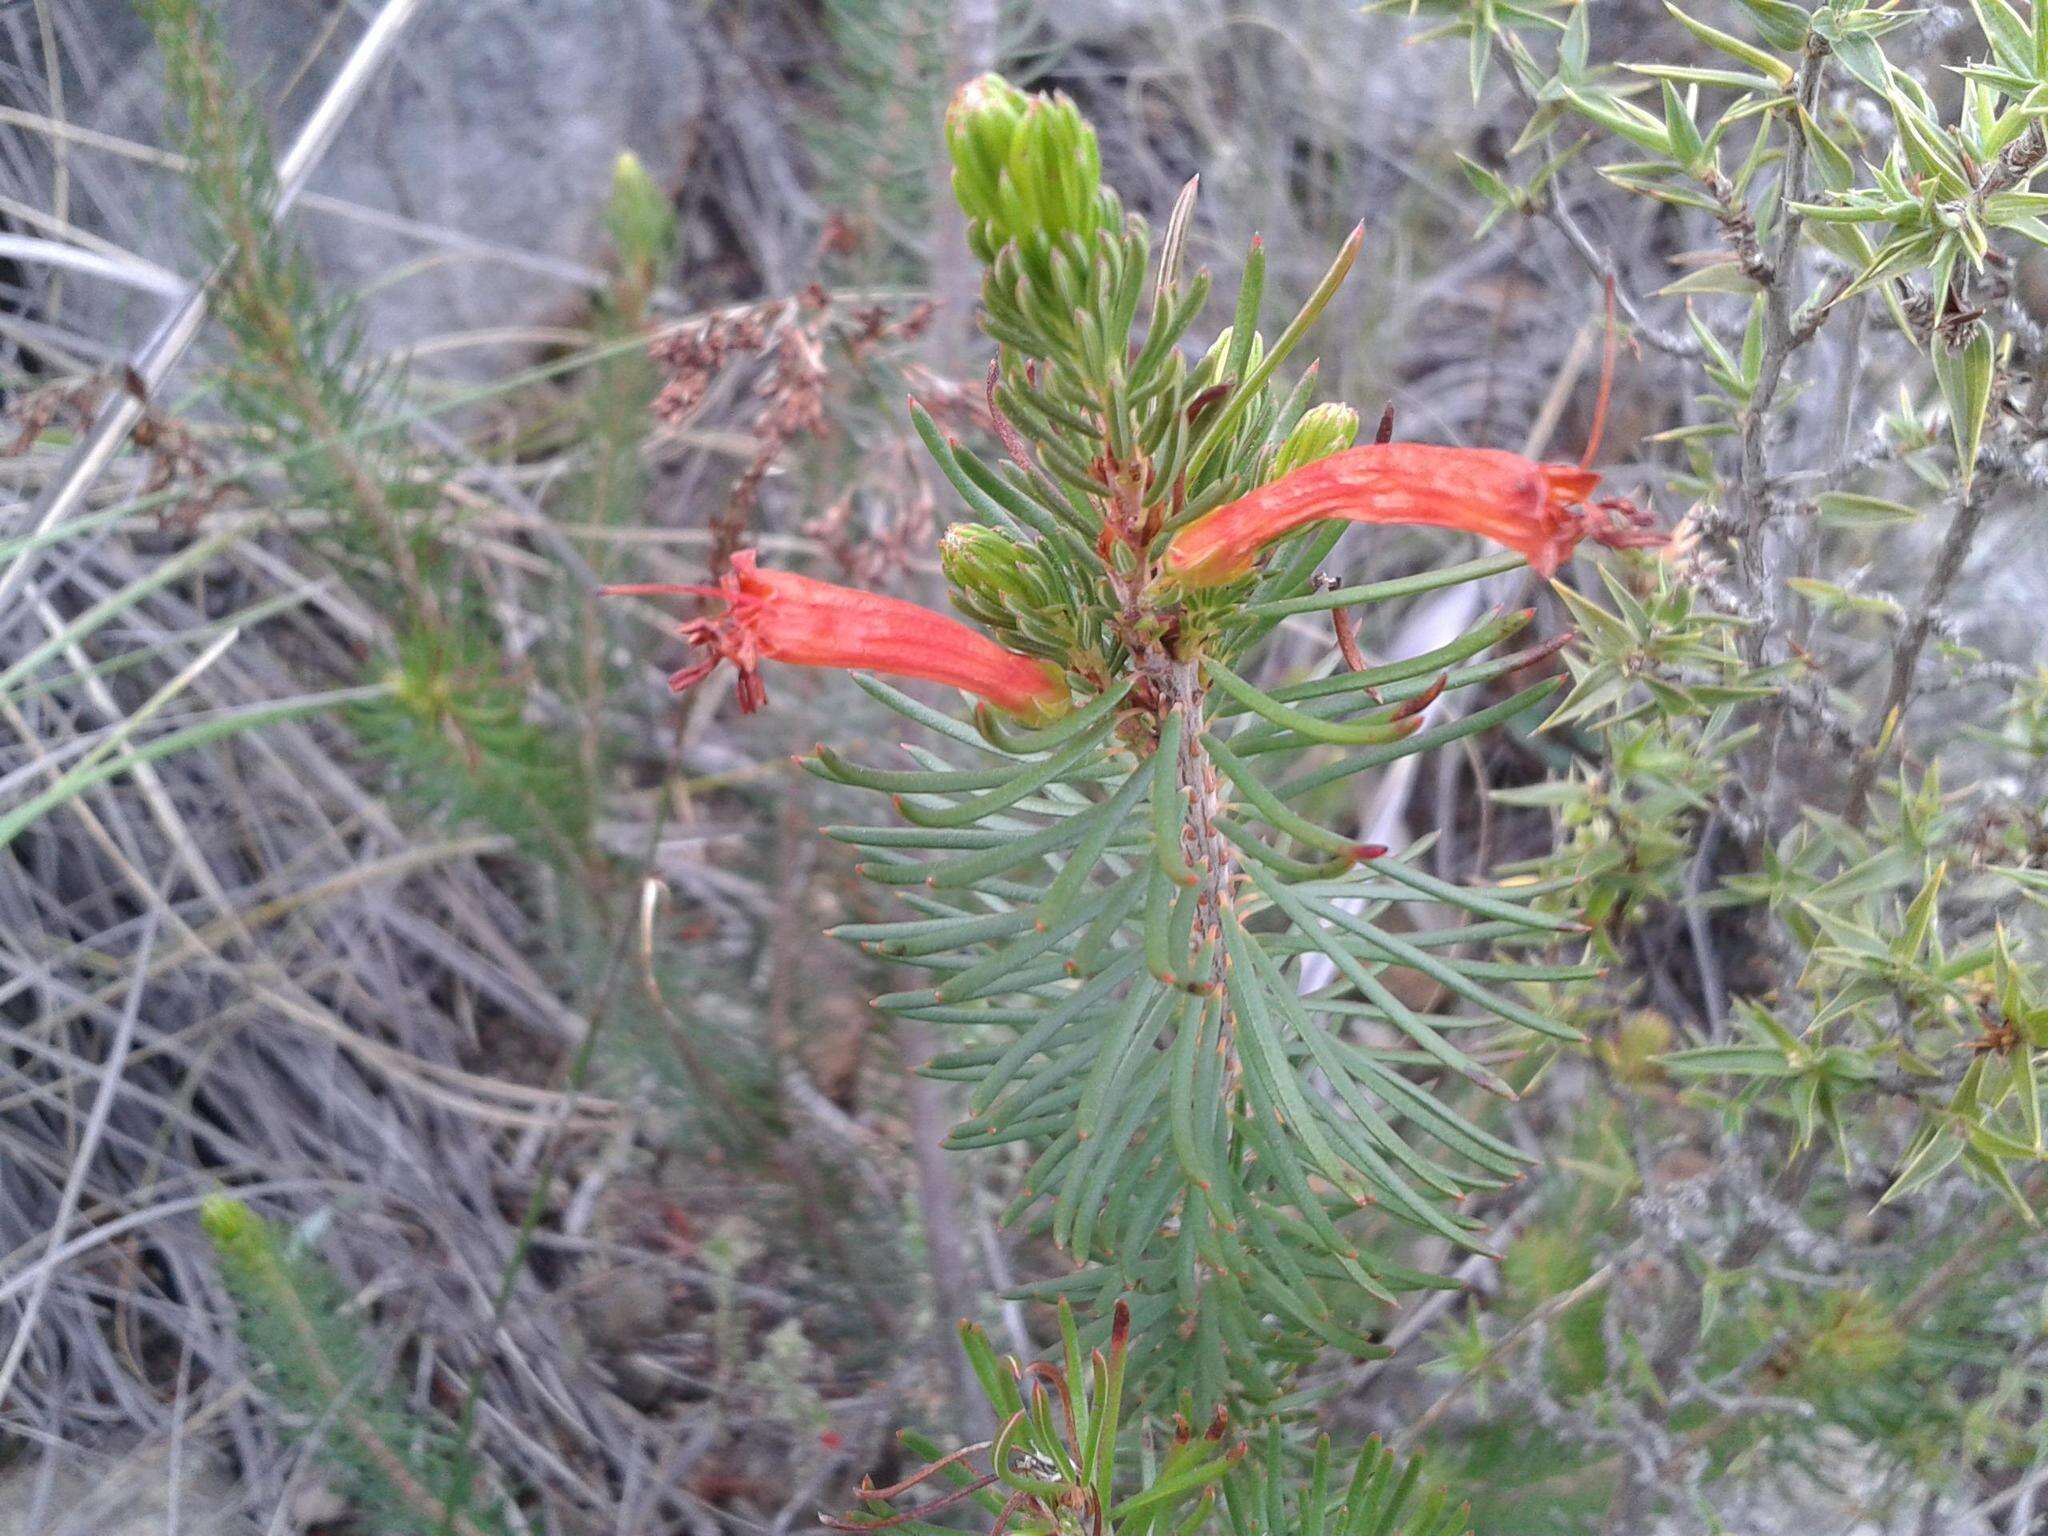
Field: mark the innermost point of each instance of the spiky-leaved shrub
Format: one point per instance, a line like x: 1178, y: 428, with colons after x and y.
x: 1851, y: 225
x: 304, y: 393
x: 1808, y: 814
x: 875, y: 151
x: 1112, y: 870
x: 397, y: 1467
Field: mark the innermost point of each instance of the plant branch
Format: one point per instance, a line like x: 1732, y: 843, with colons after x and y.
x: 1784, y: 334
x: 1898, y: 695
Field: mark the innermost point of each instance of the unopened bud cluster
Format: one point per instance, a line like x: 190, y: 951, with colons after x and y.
x: 1323, y: 430
x: 641, y: 219
x: 1026, y: 169
x: 1007, y: 586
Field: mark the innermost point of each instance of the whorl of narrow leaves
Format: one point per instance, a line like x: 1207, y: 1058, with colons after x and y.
x: 1112, y: 909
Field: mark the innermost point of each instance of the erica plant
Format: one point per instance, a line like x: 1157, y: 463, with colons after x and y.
x: 1111, y: 869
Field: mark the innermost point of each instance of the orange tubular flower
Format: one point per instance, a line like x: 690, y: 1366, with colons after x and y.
x: 780, y: 616
x: 1540, y: 511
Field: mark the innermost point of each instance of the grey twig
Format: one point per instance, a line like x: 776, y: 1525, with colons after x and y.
x: 81, y: 1160
x: 1671, y: 343
x: 1898, y: 694
x: 1784, y: 334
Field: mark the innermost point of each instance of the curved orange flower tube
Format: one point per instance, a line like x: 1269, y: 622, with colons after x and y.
x: 780, y: 616
x: 1540, y: 511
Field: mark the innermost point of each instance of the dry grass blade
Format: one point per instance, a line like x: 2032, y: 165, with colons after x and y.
x: 88, y: 1143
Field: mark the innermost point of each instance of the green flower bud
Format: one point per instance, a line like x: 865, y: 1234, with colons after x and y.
x: 640, y: 217
x: 1328, y: 428
x: 1210, y: 369
x: 983, y: 562
x: 1023, y: 166
x: 234, y: 1228
x: 1003, y: 584
x: 980, y: 124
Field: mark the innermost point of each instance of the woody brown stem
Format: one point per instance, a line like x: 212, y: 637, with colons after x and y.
x: 1208, y: 853
x: 1174, y: 683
